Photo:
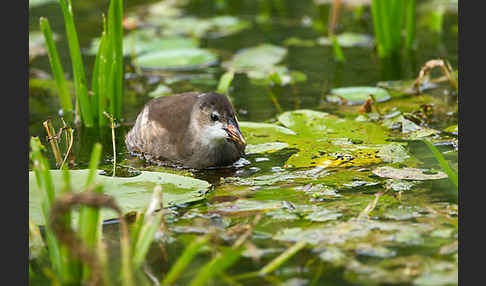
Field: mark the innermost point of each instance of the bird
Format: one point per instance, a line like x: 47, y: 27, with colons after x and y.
x: 191, y: 130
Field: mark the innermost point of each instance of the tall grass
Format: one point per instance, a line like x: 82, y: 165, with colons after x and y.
x: 390, y: 18
x: 57, y: 70
x: 107, y: 83
x: 68, y: 262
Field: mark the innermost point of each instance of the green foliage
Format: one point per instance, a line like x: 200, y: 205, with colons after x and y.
x: 107, y: 82
x: 57, y: 71
x: 66, y: 268
x: 390, y: 17
x: 443, y: 163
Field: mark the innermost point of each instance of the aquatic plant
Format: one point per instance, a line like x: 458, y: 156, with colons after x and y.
x: 80, y: 258
x: 107, y: 83
x: 390, y: 17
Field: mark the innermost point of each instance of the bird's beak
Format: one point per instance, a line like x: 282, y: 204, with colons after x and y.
x: 234, y: 134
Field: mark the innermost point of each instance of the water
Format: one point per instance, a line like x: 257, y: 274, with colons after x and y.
x: 252, y: 103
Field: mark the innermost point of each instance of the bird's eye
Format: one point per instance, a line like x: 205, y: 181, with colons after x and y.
x: 214, y: 117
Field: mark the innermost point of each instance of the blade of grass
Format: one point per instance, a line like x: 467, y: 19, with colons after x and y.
x: 338, y: 52
x: 89, y: 217
x: 57, y: 255
x: 216, y: 265
x: 57, y: 70
x: 375, y: 13
x: 77, y: 62
x: 150, y: 224
x: 183, y: 261
x: 225, y: 82
x: 115, y: 33
x: 410, y: 24
x: 279, y: 260
x: 443, y: 163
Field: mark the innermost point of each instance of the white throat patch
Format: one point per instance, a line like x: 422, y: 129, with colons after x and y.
x: 213, y: 135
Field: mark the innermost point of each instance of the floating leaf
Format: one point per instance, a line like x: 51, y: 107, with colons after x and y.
x: 132, y: 194
x: 320, y: 140
x: 35, y: 3
x: 161, y: 90
x: 197, y: 27
x: 348, y: 40
x: 177, y: 59
x: 261, y: 57
x: 393, y: 153
x: 298, y: 42
x: 358, y: 94
x: 265, y: 147
x: 408, y: 173
x: 143, y: 41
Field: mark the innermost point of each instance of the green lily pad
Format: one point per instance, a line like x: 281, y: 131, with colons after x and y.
x: 393, y: 153
x: 177, y: 59
x: 161, y: 90
x: 265, y: 147
x: 407, y: 174
x: 358, y: 94
x: 219, y: 26
x: 132, y: 194
x: 348, y: 40
x: 298, y: 42
x: 260, y: 65
x: 317, y: 140
x: 143, y: 41
x: 261, y: 57
x: 35, y: 3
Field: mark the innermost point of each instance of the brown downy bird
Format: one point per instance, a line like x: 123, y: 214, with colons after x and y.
x: 195, y: 130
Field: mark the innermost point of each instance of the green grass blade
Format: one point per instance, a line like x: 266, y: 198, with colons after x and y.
x: 89, y: 218
x: 216, y: 265
x: 57, y: 70
x: 225, y: 82
x: 410, y: 24
x: 58, y: 255
x: 338, y: 53
x: 443, y: 163
x: 115, y: 33
x: 183, y: 261
x: 145, y: 238
x: 377, y: 26
x: 279, y: 260
x: 77, y: 62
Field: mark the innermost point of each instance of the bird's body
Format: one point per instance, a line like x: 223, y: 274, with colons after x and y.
x: 195, y: 130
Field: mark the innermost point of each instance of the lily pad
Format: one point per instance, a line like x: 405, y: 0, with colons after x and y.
x: 131, y: 194
x: 143, y: 41
x: 393, y: 153
x: 219, y: 26
x: 358, y: 94
x: 407, y: 174
x: 265, y: 147
x: 316, y: 140
x: 35, y: 3
x: 298, y: 42
x: 177, y: 59
x: 261, y: 57
x: 161, y: 90
x: 348, y: 40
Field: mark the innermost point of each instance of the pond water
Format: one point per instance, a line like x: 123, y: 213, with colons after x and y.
x: 409, y: 236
